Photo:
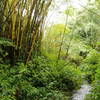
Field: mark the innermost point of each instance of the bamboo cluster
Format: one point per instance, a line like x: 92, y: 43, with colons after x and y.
x: 22, y: 22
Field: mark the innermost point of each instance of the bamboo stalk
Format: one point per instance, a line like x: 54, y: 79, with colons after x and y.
x: 30, y: 52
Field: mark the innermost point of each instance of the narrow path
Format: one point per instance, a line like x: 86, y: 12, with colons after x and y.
x: 80, y: 94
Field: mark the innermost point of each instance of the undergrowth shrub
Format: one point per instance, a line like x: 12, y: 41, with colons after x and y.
x: 95, y: 92
x: 90, y: 65
x: 95, y: 76
x: 40, y: 79
x: 6, y: 51
x: 69, y: 78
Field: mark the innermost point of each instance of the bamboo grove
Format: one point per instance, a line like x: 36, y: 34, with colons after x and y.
x: 22, y: 22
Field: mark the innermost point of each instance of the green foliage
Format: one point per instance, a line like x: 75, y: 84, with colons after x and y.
x: 90, y: 65
x: 93, y: 57
x: 69, y: 11
x: 92, y: 73
x: 87, y: 28
x: 6, y: 46
x: 95, y: 93
x: 53, y: 40
x: 96, y: 90
x: 6, y: 42
x: 69, y: 76
x: 40, y: 79
x: 46, y: 77
x: 58, y: 29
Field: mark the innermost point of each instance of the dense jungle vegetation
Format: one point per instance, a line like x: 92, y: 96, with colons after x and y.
x: 48, y: 61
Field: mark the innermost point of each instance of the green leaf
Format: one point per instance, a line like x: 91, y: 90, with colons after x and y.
x: 6, y: 42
